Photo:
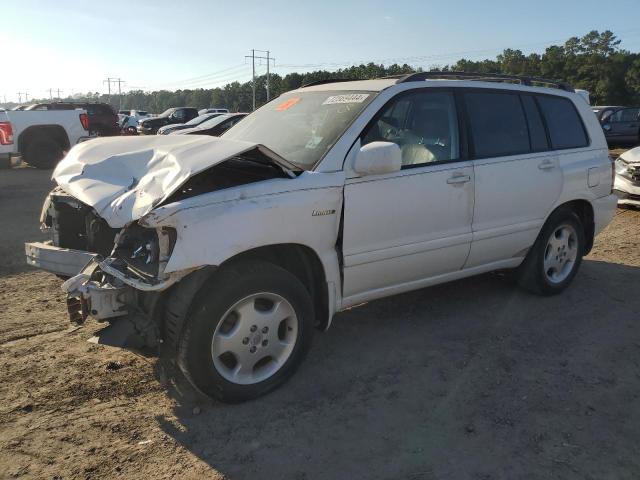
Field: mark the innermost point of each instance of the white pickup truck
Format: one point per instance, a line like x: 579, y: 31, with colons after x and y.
x: 40, y: 137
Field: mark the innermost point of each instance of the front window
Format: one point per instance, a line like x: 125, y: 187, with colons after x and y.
x: 301, y: 127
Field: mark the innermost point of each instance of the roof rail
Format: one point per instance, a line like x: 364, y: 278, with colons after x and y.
x: 329, y: 80
x: 487, y: 77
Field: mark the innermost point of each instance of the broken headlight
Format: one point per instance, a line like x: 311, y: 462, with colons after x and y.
x: 144, y: 252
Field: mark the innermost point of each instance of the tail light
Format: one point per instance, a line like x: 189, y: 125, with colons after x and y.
x: 84, y: 120
x: 6, y: 133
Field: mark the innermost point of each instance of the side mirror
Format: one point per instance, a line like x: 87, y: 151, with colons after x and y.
x: 377, y: 158
x: 606, y: 127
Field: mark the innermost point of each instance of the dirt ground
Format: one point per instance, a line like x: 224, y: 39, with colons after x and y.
x: 471, y: 380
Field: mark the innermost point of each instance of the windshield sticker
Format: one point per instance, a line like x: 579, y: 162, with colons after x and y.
x: 288, y: 104
x: 348, y: 98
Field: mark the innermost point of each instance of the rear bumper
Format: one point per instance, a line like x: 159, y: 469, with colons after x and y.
x: 604, y: 209
x: 61, y: 261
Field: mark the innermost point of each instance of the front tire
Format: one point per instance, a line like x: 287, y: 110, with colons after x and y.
x: 249, y: 328
x: 555, y: 257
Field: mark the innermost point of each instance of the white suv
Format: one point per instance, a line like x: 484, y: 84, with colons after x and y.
x: 228, y: 252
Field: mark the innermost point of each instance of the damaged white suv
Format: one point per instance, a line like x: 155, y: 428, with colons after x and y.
x: 228, y: 252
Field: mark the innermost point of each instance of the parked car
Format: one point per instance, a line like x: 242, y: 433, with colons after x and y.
x: 150, y: 126
x: 103, y: 120
x: 194, y: 122
x: 129, y: 123
x: 41, y: 138
x: 622, y: 126
x: 213, y: 127
x: 627, y: 181
x: 134, y: 113
x: 230, y: 251
x: 213, y: 110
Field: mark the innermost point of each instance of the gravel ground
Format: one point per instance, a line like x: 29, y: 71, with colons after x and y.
x: 475, y: 379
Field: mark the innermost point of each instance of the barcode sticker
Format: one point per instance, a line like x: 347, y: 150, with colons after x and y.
x: 346, y: 98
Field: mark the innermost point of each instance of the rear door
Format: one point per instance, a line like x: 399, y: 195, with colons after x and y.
x: 518, y: 178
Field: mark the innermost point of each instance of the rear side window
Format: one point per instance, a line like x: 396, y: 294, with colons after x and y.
x: 564, y: 123
x: 625, y: 115
x: 498, y: 125
x: 537, y: 134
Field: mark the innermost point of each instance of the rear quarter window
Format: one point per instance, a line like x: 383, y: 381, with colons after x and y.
x: 563, y: 122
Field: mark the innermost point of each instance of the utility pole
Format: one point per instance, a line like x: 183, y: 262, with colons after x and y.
x: 26, y: 96
x: 253, y: 77
x: 119, y: 93
x: 253, y: 65
x: 108, y: 82
x: 50, y: 94
x: 268, y: 74
x: 59, y: 93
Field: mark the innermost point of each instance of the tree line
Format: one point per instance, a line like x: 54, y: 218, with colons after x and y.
x: 594, y: 62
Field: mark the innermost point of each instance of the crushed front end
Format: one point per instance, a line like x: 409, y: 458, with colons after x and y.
x: 112, y: 274
x: 627, y: 181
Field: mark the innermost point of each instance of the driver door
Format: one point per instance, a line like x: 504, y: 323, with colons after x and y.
x: 404, y: 228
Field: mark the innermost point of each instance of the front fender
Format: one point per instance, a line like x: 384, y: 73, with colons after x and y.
x: 211, y: 233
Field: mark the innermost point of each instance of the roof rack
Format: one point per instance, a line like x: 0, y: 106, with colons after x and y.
x: 329, y: 80
x: 487, y: 77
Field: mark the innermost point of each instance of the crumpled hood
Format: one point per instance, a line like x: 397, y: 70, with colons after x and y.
x: 124, y: 178
x: 631, y: 156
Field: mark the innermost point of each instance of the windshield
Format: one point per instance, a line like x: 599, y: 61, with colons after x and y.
x: 201, y: 118
x: 301, y: 127
x: 212, y: 122
x: 167, y: 112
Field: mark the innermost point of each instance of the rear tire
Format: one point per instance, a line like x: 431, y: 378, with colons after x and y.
x: 43, y: 153
x: 235, y: 347
x: 556, y: 255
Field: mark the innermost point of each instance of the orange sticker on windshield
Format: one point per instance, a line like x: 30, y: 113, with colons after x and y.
x: 288, y: 104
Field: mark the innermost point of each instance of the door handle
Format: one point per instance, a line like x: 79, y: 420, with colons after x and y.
x: 547, y: 165
x: 457, y: 179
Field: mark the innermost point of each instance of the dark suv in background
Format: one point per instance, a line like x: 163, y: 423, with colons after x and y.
x: 103, y: 120
x: 622, y: 126
x: 150, y: 126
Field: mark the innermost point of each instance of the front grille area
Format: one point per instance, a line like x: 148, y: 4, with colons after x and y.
x: 77, y: 226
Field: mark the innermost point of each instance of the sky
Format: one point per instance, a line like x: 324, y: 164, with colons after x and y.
x: 75, y: 46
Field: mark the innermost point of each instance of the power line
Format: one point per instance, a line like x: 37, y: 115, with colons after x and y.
x: 205, y: 77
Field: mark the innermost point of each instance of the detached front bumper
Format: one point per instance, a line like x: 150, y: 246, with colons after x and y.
x: 61, y: 261
x: 627, y: 191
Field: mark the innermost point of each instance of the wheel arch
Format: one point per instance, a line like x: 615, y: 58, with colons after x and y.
x: 55, y: 132
x: 300, y: 260
x: 304, y: 263
x: 584, y: 210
